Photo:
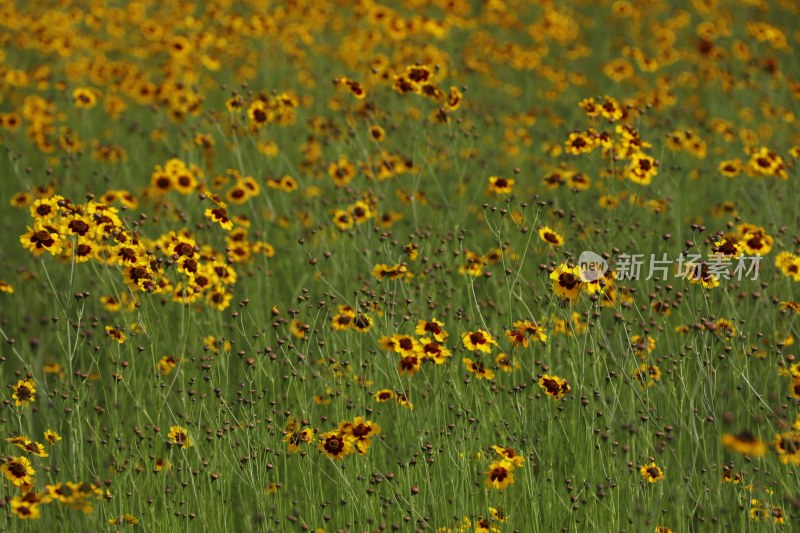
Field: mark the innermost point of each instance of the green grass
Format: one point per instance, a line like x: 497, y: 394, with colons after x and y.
x: 426, y: 470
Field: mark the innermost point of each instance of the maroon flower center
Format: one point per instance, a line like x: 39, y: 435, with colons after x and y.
x: 17, y: 470
x: 498, y: 474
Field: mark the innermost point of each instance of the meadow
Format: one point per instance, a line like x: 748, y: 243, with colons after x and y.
x: 434, y: 265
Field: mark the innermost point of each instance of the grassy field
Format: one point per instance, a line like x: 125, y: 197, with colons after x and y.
x: 426, y: 265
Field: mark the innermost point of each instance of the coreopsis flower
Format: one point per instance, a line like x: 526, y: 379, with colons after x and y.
x: 554, y: 386
x: 453, y: 99
x: 361, y: 212
x: 121, y: 520
x: 509, y: 454
x: 498, y: 515
x: 789, y: 265
x: 651, y: 472
x: 167, y: 364
x: 531, y: 329
x: 362, y: 322
x: 478, y: 369
x: 646, y: 375
x: 377, y: 133
x: 179, y: 435
x: 78, y: 225
x: 26, y: 507
x: 382, y: 271
x: 730, y: 168
x: 84, y: 98
x: 335, y: 445
x: 432, y: 350
x: 500, y: 475
x: 589, y: 107
x: 116, y: 333
x: 299, y: 329
x: 295, y: 438
x: 745, y: 443
x: 161, y: 464
x: 259, y: 114
x: 765, y: 162
x: 579, y: 143
x: 409, y: 364
x: 42, y: 238
x: 403, y: 400
x: 473, y: 265
x: 757, y: 242
x: 795, y: 387
x: 642, y: 345
x: 501, y: 186
x: 550, y: 236
x: 517, y: 337
x: 723, y: 328
x: 566, y: 282
x: 412, y: 251
x: 384, y: 395
x: 479, y: 340
x: 759, y: 510
x: 51, y: 436
x: 504, y: 363
x: 24, y: 392
x: 787, y: 444
x: 352, y: 86
x: 53, y: 368
x: 18, y: 470
x: 360, y: 433
x: 341, y: 172
x: 219, y: 214
x: 642, y: 168
x: 432, y: 327
x: 610, y: 109
x: 729, y: 476
x: 405, y: 345
x: 728, y: 247
x: 28, y: 445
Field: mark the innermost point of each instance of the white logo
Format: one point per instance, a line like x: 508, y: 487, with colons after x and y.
x: 592, y: 266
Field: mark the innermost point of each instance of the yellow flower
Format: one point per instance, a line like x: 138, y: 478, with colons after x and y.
x: 745, y: 443
x: 24, y: 392
x: 360, y: 433
x: 500, y: 186
x: 566, y: 281
x: 509, y: 454
x: 642, y: 168
x: 500, y: 475
x: 18, y: 470
x: 51, y: 436
x: 478, y: 369
x: 651, y: 472
x: 40, y: 239
x: 335, y: 445
x: 480, y: 340
x: 26, y: 507
x: 178, y: 435
x: 554, y: 386
x: 116, y: 333
x: 384, y: 395
x: 84, y: 98
x: 294, y: 439
x: 550, y: 236
x: 167, y: 364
